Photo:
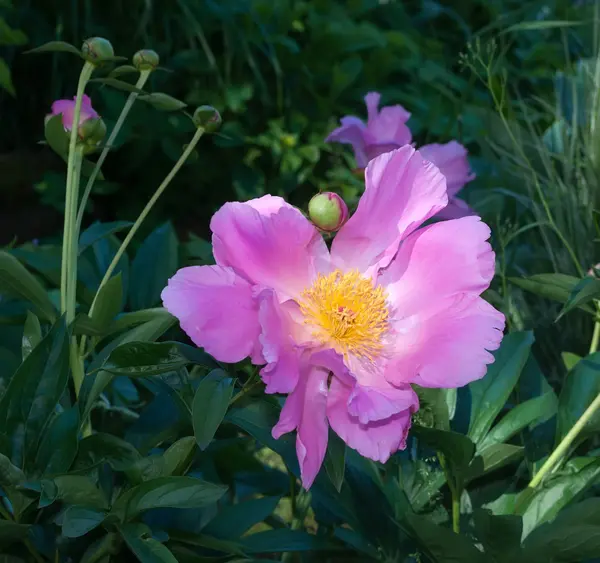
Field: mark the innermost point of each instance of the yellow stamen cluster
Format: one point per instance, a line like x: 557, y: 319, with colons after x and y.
x: 347, y: 312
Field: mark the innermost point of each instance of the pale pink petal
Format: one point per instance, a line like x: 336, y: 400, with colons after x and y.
x: 372, y: 100
x: 216, y: 309
x: 452, y: 160
x: 277, y: 249
x: 390, y: 126
x: 305, y: 409
x: 375, y: 440
x: 282, y: 370
x: 352, y: 132
x: 376, y: 149
x: 402, y: 191
x: 371, y: 404
x: 456, y: 209
x: 447, y: 347
x: 437, y: 262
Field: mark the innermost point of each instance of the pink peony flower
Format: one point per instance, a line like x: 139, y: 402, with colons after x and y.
x: 66, y: 108
x: 346, y: 332
x: 386, y: 130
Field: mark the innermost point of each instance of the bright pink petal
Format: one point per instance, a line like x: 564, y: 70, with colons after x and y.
x: 66, y: 108
x: 447, y: 347
x: 452, y: 160
x: 402, y: 191
x: 437, y: 262
x: 375, y: 440
x: 387, y: 125
x: 216, y: 309
x: 456, y: 209
x: 282, y: 370
x: 277, y: 249
x: 371, y: 404
x: 305, y: 409
x: 351, y: 132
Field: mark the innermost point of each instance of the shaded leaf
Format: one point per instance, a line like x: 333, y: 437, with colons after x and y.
x: 98, y: 231
x: 210, y: 405
x: 163, y: 101
x: 118, y: 84
x: 32, y: 334
x: 583, y: 293
x: 108, y: 303
x: 59, y: 444
x: 335, y: 460
x: 557, y: 287
x: 148, y: 550
x: 277, y: 541
x: 79, y: 520
x: 56, y: 47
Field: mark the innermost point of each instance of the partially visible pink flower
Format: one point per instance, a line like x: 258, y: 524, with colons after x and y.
x: 345, y: 332
x: 386, y: 130
x: 66, y: 108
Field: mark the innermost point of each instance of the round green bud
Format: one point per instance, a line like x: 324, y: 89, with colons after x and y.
x: 208, y: 118
x: 91, y: 133
x: 96, y: 49
x: 146, y: 59
x: 327, y: 211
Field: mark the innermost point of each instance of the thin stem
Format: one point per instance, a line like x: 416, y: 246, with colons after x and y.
x: 144, y: 74
x: 595, y: 335
x: 86, y: 73
x: 186, y: 153
x: 73, y: 236
x: 455, y: 513
x: 566, y: 442
x: 455, y: 492
x: 244, y: 392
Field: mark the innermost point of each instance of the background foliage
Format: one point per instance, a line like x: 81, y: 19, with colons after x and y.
x: 182, y: 466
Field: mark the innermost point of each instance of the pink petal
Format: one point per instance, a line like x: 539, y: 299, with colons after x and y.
x: 402, y: 191
x: 305, y: 409
x: 437, y: 262
x: 372, y: 100
x: 389, y: 124
x: 375, y: 440
x: 371, y: 404
x: 451, y: 159
x: 271, y: 247
x: 450, y: 347
x: 216, y: 309
x: 66, y: 108
x: 376, y: 149
x: 282, y: 370
x: 456, y: 209
x: 351, y: 132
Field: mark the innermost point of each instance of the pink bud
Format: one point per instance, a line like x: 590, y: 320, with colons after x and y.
x: 328, y: 211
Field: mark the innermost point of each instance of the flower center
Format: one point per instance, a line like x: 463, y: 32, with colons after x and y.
x: 347, y: 312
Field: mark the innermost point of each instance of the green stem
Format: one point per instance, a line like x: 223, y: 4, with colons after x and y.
x: 144, y: 74
x: 86, y: 73
x: 455, y: 513
x: 595, y: 335
x: 455, y: 492
x: 566, y: 442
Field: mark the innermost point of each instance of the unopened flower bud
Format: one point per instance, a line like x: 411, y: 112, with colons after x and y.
x: 208, y: 118
x: 92, y: 132
x: 327, y: 211
x: 146, y: 59
x: 97, y: 48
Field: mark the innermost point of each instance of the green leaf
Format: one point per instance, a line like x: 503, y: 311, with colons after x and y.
x: 6, y: 79
x: 210, y: 405
x: 520, y: 417
x: 281, y: 540
x: 119, y: 85
x: 94, y: 384
x: 500, y: 535
x: 148, y: 550
x: 356, y: 541
x: 570, y: 360
x: 59, y: 443
x: 141, y: 359
x: 441, y: 544
x: 33, y: 393
x: 106, y: 448
x: 79, y: 520
x: 16, y: 281
x: 163, y: 102
x: 155, y: 262
x: 557, y: 287
x: 580, y: 388
x: 98, y: 231
x: 56, y: 47
x: 56, y: 136
x: 493, y: 457
x: 335, y: 460
x: 490, y: 394
x: 585, y: 291
x: 167, y: 492
x: 108, y: 303
x: 544, y: 503
x: 11, y: 532
x: 101, y: 550
x: 74, y: 489
x: 458, y: 450
x: 236, y: 519
x: 173, y: 461
x: 32, y: 334
x: 541, y: 25
x: 123, y: 69
x: 573, y: 536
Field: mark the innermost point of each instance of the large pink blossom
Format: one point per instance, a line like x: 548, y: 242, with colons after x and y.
x: 345, y: 332
x: 386, y: 130
x: 66, y: 108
